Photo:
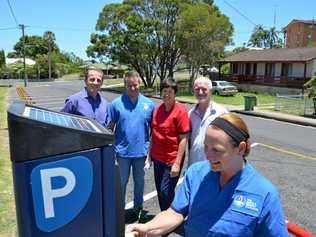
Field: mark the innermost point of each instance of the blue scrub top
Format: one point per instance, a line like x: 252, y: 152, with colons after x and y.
x: 249, y: 205
x: 132, y: 125
x: 85, y: 105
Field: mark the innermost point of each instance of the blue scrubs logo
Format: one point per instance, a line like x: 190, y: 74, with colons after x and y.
x: 240, y: 201
x: 60, y: 190
x: 146, y: 106
x: 248, y: 203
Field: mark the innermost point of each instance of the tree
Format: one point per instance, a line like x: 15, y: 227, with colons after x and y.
x: 239, y: 50
x: 141, y: 34
x: 49, y: 37
x: 203, y: 34
x: 34, y: 45
x: 145, y: 34
x: 12, y: 55
x: 38, y: 48
x: 265, y: 38
x: 2, y: 58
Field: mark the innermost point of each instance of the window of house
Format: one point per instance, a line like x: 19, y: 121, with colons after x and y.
x: 235, y: 68
x: 241, y: 68
x: 269, y: 70
x: 254, y: 69
x: 248, y: 68
x: 286, y: 69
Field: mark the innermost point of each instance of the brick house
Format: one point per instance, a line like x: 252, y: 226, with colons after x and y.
x: 300, y: 33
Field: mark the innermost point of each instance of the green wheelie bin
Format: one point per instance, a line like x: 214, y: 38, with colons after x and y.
x: 250, y: 102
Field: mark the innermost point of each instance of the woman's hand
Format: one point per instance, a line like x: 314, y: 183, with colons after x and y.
x: 175, y: 170
x: 147, y: 163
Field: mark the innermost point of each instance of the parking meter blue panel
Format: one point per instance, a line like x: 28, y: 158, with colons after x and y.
x: 61, y: 195
x: 65, y: 179
x: 55, y: 186
x: 114, y: 224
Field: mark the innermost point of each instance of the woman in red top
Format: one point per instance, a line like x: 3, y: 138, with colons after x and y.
x: 170, y: 129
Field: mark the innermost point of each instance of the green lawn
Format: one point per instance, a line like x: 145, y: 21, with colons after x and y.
x: 238, y: 99
x: 7, y: 206
x: 112, y: 81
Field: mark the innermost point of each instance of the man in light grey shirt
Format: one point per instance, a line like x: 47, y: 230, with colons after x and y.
x: 203, y: 113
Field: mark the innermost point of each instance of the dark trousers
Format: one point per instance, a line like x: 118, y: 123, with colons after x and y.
x: 165, y: 185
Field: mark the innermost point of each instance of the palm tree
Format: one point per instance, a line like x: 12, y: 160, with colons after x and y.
x: 258, y: 37
x: 265, y: 38
x: 50, y: 37
x: 273, y: 39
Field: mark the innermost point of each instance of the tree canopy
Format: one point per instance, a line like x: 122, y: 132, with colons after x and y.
x: 37, y: 48
x: 265, y: 38
x: 34, y: 45
x: 149, y: 35
x: 2, y: 58
x: 203, y: 34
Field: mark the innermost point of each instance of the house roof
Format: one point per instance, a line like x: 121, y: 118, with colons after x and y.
x: 28, y: 61
x: 274, y: 55
x: 105, y: 66
x: 308, y: 22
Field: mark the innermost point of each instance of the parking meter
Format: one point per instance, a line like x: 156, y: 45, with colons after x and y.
x: 66, y: 182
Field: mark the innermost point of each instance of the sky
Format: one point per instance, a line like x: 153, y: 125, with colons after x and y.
x: 73, y: 21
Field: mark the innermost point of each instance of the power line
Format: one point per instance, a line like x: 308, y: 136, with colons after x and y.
x: 240, y: 13
x: 12, y: 13
x: 48, y: 28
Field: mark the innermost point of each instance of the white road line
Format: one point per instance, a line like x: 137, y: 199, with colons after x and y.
x: 149, y: 196
x: 254, y: 144
x: 154, y: 193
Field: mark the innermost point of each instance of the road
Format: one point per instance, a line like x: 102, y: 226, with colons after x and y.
x: 283, y: 152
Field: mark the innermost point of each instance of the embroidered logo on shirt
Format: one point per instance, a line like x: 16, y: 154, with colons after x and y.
x: 247, y: 203
x: 250, y: 204
x: 146, y: 106
x: 239, y: 201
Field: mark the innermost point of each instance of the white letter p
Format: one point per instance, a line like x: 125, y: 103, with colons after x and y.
x: 49, y: 194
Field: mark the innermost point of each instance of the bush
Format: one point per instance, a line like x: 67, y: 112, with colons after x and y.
x: 311, y: 86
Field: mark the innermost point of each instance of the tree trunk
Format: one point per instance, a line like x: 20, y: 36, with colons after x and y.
x: 193, y: 76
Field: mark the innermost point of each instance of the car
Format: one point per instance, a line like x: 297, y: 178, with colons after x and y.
x: 223, y: 88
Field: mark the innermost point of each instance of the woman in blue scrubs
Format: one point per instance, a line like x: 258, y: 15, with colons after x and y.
x: 224, y: 195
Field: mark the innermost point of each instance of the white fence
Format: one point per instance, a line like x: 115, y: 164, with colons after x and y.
x: 297, y: 104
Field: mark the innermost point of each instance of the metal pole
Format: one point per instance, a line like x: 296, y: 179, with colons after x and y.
x: 49, y: 59
x: 24, y: 66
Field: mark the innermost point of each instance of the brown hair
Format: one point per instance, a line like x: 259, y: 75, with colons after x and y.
x: 169, y: 83
x: 240, y: 124
x: 132, y: 74
x: 90, y: 68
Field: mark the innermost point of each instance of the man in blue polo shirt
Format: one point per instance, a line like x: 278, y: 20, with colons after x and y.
x: 130, y: 116
x: 88, y: 102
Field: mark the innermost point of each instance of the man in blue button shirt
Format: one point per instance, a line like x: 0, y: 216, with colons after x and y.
x: 224, y: 195
x: 131, y: 115
x: 89, y: 102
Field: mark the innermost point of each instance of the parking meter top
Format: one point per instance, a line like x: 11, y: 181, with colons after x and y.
x: 61, y: 140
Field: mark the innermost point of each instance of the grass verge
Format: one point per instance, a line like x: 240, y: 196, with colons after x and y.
x: 7, y: 205
x: 237, y: 99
